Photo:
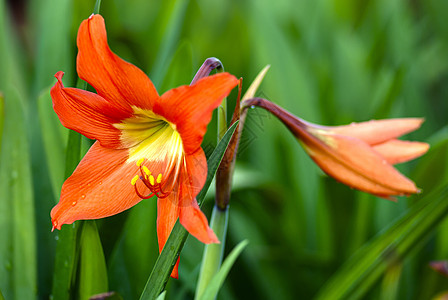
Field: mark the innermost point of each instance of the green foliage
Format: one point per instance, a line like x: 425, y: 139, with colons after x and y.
x: 388, y: 249
x: 217, y: 281
x: 92, y: 265
x: 18, y: 276
x: 332, y: 62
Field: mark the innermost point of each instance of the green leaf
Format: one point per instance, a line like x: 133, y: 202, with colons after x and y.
x: 181, y: 68
x: 213, y: 253
x: 175, y: 18
x: 65, y: 259
x: 134, y: 254
x: 55, y: 137
x: 92, y: 264
x: 17, y: 239
x: 167, y: 259
x: 52, y: 20
x: 162, y: 296
x: 96, y: 9
x: 363, y: 270
x: 216, y: 282
x: 2, y: 116
x: 252, y: 89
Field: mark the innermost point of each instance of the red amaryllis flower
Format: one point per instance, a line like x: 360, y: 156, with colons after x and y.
x: 359, y: 155
x: 147, y: 145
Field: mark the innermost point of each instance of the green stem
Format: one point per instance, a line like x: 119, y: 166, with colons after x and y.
x: 213, y: 253
x: 222, y: 113
x: 222, y: 119
x: 96, y: 9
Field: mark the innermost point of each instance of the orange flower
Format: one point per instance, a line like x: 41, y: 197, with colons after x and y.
x: 146, y: 144
x: 359, y: 155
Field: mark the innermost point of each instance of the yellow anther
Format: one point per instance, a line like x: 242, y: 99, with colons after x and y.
x: 151, y: 179
x: 140, y: 161
x: 159, y: 178
x: 134, y: 180
x: 146, y: 170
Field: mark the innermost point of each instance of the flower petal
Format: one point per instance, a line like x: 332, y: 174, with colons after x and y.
x: 398, y: 151
x: 99, y: 187
x: 354, y: 163
x: 116, y: 80
x: 378, y: 131
x: 191, y: 182
x: 167, y: 214
x: 87, y: 113
x: 190, y: 107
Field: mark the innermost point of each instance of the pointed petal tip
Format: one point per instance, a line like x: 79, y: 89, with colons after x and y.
x: 59, y: 75
x: 213, y: 239
x: 376, y: 132
x: 175, y: 273
x: 55, y: 225
x: 410, y: 124
x: 399, y: 151
x: 416, y: 122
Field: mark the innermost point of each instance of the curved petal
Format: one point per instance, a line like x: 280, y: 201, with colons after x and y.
x: 191, y: 182
x: 354, y: 163
x: 99, y: 187
x: 87, y: 113
x: 167, y: 214
x: 114, y: 79
x: 190, y: 107
x: 378, y: 131
x: 398, y: 151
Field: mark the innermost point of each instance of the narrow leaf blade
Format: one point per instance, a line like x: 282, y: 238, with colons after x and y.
x: 92, y: 264
x: 358, y: 275
x: 215, y: 284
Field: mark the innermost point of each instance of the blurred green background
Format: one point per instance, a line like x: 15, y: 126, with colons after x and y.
x: 332, y: 62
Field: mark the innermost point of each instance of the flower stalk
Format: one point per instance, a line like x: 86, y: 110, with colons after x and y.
x: 210, y: 64
x: 213, y: 253
x: 96, y: 9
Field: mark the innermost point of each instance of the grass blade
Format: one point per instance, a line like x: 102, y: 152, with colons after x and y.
x: 216, y: 282
x: 18, y: 278
x: 92, y: 264
x: 364, y: 269
x: 54, y: 137
x: 67, y: 237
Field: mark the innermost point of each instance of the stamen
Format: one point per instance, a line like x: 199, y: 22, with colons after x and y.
x: 134, y: 180
x: 141, y: 196
x: 151, y: 179
x: 146, y: 170
x: 140, y: 161
x: 159, y: 178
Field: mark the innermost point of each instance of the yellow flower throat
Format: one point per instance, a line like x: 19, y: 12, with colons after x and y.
x: 156, y: 148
